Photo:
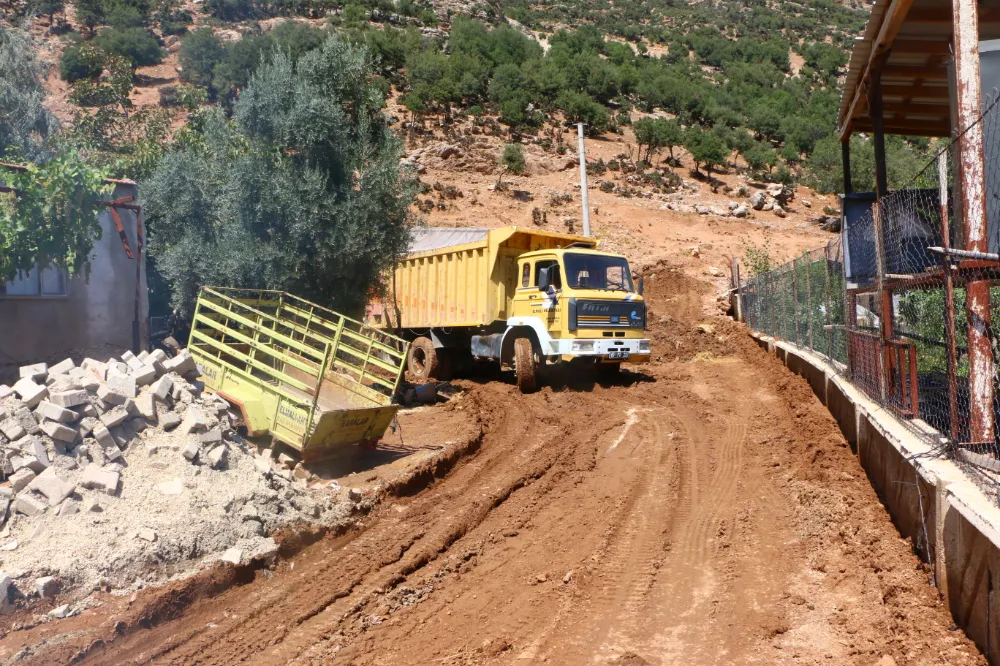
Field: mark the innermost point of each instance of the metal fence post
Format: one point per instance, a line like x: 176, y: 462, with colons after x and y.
x: 809, y: 302
x: 795, y: 299
x: 828, y: 302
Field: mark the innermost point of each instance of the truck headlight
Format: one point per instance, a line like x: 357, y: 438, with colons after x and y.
x: 583, y: 345
x: 644, y: 345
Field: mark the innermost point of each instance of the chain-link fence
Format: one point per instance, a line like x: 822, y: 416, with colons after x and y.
x: 908, y: 319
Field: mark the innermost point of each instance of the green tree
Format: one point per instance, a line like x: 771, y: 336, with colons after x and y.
x: 48, y: 8
x: 81, y: 61
x: 201, y: 51
x: 52, y: 219
x: 137, y: 45
x: 24, y: 120
x: 90, y: 13
x: 579, y: 107
x: 512, y: 158
x: 706, y: 148
x: 300, y: 191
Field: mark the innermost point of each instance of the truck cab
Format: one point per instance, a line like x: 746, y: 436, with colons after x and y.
x: 579, y: 304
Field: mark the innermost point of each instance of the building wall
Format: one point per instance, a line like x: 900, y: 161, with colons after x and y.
x: 95, y: 317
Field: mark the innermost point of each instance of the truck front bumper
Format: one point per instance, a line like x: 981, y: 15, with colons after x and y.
x: 633, y: 350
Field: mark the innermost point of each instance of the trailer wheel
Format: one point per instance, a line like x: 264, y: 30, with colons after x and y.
x: 422, y: 361
x: 525, y: 365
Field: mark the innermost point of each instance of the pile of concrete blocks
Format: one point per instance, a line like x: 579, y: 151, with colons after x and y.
x: 67, y: 427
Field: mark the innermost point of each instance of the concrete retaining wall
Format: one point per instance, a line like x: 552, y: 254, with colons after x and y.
x: 952, y: 523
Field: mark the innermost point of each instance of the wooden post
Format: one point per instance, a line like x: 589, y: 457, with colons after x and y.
x: 881, y: 189
x: 972, y: 170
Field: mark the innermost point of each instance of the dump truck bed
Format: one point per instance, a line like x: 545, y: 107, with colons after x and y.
x: 308, y: 376
x: 461, y: 277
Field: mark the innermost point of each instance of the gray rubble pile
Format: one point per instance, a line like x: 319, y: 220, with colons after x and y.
x: 69, y: 426
x: 115, y: 465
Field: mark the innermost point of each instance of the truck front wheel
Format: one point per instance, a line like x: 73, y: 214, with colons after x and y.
x: 525, y: 365
x: 422, y: 361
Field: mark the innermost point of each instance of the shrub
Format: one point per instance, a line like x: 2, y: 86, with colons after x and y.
x: 137, y: 45
x: 513, y: 158
x: 80, y: 61
x: 24, y: 121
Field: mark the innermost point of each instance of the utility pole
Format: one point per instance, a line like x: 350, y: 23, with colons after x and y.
x: 583, y: 182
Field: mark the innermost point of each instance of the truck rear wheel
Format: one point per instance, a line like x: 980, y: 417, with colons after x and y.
x: 525, y: 366
x: 422, y: 361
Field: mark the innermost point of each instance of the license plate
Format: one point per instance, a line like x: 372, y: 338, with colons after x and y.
x: 616, y: 354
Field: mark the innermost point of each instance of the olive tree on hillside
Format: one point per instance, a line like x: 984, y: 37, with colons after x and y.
x: 24, y: 121
x: 300, y: 191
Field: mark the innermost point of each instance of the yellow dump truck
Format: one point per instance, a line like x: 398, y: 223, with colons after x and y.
x: 305, y: 375
x: 519, y: 297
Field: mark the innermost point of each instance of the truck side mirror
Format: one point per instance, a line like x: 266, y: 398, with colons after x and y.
x: 641, y: 280
x: 543, y: 279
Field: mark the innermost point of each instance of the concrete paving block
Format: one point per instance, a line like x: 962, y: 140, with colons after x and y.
x: 31, y: 393
x: 5, y: 391
x: 216, y: 456
x: 146, y: 406
x: 87, y: 410
x: 114, y: 417
x: 111, y: 396
x: 96, y: 369
x: 182, y: 364
x: 59, y: 432
x: 286, y: 461
x: 62, y: 367
x: 143, y: 355
x: 131, y: 360
x: 35, y: 372
x: 96, y: 478
x: 158, y: 355
x: 194, y: 420
x: 29, y: 506
x: 54, y: 488
x: 90, y: 383
x: 144, y: 375
x: 33, y: 447
x: 124, y: 384
x: 70, y: 398
x: 12, y: 429
x: 163, y: 387
x: 54, y: 412
x: 113, y: 454
x: 169, y: 421
x: 191, y: 451
x: 47, y: 586
x: 104, y: 437
x: 213, y: 436
x: 68, y: 508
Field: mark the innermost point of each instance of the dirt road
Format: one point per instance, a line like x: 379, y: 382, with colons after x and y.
x: 705, y: 512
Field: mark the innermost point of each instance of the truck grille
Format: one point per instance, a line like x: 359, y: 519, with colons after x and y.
x: 607, y: 314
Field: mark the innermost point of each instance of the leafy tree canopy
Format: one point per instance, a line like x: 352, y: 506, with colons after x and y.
x: 301, y: 190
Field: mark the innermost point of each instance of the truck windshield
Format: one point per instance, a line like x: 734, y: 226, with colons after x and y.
x: 595, y: 271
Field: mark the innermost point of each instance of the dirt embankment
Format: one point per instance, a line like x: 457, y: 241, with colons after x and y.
x: 706, y: 510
